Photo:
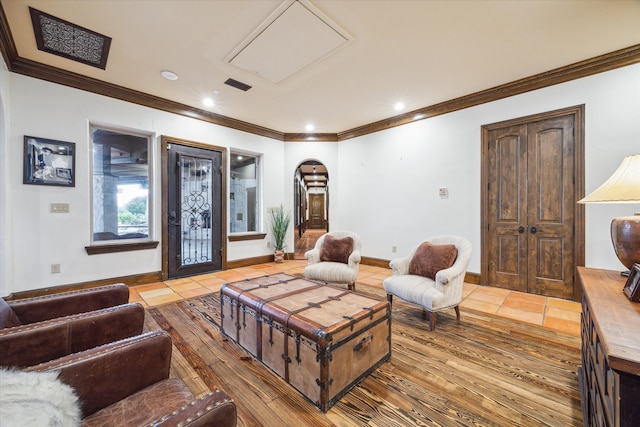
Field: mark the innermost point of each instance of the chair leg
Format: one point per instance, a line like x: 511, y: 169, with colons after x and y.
x: 433, y: 316
x: 457, y: 308
x: 390, y: 298
x: 351, y: 286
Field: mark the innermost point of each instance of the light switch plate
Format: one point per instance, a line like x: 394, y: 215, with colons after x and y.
x: 443, y: 191
x: 59, y: 207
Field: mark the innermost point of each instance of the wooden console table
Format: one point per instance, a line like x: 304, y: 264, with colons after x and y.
x: 610, y: 373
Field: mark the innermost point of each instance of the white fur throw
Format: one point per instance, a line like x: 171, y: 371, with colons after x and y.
x: 36, y: 399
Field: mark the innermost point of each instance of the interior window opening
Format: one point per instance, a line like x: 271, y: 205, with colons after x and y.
x: 120, y: 186
x: 244, y: 193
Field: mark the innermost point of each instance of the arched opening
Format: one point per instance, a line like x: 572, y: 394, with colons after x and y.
x: 311, y: 205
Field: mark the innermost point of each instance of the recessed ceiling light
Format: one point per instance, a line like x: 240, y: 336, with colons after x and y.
x: 169, y: 75
x: 309, y: 127
x: 208, y: 102
x: 399, y: 106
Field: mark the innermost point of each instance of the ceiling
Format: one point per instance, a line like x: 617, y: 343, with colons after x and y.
x: 339, y: 65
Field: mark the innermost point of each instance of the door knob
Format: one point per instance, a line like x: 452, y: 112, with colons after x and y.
x: 521, y: 229
x: 534, y: 230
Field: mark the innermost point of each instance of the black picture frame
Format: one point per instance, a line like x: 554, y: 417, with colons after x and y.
x: 49, y: 162
x: 632, y: 287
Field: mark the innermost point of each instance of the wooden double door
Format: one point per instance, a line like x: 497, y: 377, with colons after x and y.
x: 533, y: 231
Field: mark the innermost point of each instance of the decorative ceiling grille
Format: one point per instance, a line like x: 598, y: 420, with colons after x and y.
x: 68, y: 40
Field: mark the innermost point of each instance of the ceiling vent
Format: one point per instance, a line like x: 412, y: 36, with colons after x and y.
x: 293, y: 37
x: 62, y: 38
x: 238, y: 85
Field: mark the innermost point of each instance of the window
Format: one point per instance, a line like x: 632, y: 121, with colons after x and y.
x: 244, y: 193
x: 120, y: 186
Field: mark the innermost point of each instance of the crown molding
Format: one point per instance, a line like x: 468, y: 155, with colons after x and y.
x: 617, y: 59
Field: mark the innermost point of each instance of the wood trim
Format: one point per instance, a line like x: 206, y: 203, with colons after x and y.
x: 588, y: 67
x: 591, y: 66
x: 243, y: 237
x: 247, y: 262
x: 311, y: 137
x: 55, y: 75
x: 375, y: 262
x: 133, y: 280
x: 123, y: 247
x: 7, y: 45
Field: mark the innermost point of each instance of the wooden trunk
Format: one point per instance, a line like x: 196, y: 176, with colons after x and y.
x: 321, y: 339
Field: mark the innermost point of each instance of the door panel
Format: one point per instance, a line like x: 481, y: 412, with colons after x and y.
x: 507, y: 204
x: 530, y: 197
x: 316, y: 212
x: 551, y: 216
x: 194, y: 210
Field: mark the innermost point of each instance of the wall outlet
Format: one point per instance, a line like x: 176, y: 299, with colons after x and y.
x: 268, y: 244
x: 55, y: 268
x: 59, y: 207
x: 394, y: 249
x: 443, y: 191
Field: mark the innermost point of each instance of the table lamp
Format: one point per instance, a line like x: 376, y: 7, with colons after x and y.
x: 622, y: 187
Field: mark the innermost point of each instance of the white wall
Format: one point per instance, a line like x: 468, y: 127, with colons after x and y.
x: 40, y: 238
x: 389, y: 180
x: 384, y: 186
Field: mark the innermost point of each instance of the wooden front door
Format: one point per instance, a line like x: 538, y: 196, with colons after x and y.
x: 193, y: 208
x: 530, y: 193
x: 316, y: 211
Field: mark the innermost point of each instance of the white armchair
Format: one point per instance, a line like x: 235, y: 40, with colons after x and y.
x: 330, y: 266
x: 432, y: 295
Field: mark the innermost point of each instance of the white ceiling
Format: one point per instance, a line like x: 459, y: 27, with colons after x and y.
x: 417, y: 52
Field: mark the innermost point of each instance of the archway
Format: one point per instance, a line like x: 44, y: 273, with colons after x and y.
x: 311, y: 205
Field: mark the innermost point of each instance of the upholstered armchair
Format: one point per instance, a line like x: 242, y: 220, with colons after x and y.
x: 127, y: 383
x: 35, y: 330
x: 335, y: 258
x: 431, y: 276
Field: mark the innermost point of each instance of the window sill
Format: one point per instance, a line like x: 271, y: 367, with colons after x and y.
x: 120, y: 247
x: 249, y: 236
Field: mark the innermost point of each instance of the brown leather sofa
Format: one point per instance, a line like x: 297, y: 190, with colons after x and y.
x: 127, y: 383
x: 50, y: 306
x: 35, y: 330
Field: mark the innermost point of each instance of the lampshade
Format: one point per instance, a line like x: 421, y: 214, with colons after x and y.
x: 622, y: 187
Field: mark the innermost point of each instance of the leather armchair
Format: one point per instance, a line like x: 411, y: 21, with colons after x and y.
x: 329, y: 271
x: 35, y: 330
x: 432, y: 295
x: 50, y: 306
x: 127, y: 383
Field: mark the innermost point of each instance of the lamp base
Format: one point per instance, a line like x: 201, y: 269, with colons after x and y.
x: 625, y: 236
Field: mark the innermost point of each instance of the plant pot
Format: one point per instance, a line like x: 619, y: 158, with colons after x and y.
x: 278, y: 256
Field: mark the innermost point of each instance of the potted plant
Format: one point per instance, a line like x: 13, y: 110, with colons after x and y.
x: 279, y: 225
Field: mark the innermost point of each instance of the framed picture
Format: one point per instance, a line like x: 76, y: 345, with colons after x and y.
x: 49, y: 162
x: 632, y: 287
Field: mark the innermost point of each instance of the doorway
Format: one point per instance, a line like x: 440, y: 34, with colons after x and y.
x: 193, y: 208
x: 311, y: 200
x: 532, y: 227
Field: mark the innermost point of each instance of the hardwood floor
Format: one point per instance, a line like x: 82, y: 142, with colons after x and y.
x: 485, y: 370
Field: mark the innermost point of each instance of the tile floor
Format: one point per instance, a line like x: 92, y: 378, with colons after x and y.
x: 549, y: 312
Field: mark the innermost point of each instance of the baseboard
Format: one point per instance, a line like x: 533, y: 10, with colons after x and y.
x: 133, y: 280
